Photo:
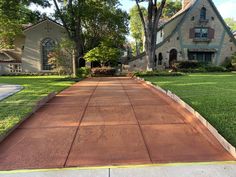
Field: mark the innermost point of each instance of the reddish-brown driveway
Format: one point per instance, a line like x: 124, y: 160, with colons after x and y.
x: 108, y: 121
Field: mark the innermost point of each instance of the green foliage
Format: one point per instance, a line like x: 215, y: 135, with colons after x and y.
x: 231, y: 22
x: 188, y: 64
x: 157, y: 73
x: 103, y: 54
x: 215, y: 69
x: 83, y: 72
x: 171, y: 8
x: 13, y: 109
x: 213, y: 95
x: 227, y: 63
x: 104, y: 71
x: 12, y: 15
x: 61, y: 57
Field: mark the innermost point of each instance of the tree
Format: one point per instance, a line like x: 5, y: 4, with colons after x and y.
x: 60, y: 58
x: 12, y: 15
x: 136, y: 27
x: 171, y: 8
x: 88, y: 21
x: 103, y: 54
x: 150, y: 26
x: 231, y: 22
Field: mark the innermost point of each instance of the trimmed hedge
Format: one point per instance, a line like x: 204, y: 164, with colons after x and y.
x: 157, y: 73
x: 105, y: 71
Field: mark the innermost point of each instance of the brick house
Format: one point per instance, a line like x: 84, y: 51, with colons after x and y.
x: 196, y: 32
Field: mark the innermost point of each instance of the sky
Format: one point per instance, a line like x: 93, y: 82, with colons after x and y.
x: 227, y: 8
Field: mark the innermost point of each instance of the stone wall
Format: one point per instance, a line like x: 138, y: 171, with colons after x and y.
x: 32, y: 55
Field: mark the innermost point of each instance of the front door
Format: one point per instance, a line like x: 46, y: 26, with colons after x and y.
x: 172, y: 57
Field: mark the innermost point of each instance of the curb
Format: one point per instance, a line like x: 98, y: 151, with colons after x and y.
x: 38, y: 105
x: 227, y: 146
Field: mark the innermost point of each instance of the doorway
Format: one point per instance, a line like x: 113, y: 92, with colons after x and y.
x: 173, y: 57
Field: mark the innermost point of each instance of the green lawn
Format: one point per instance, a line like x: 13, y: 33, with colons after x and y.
x: 14, y: 108
x: 213, y: 95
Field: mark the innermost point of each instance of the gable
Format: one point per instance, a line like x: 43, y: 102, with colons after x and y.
x: 213, y: 20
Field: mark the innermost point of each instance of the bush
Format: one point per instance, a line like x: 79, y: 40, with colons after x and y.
x: 192, y: 70
x: 188, y: 64
x: 216, y: 69
x: 157, y: 73
x: 227, y: 63
x: 104, y: 71
x: 83, y: 72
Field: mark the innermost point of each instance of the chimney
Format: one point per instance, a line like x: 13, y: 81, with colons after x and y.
x: 185, y: 3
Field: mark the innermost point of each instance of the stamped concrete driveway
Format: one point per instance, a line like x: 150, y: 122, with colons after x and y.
x: 109, y: 121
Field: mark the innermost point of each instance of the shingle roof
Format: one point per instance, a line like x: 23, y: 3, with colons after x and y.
x: 10, y: 56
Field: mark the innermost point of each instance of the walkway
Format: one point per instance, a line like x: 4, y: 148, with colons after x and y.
x: 108, y: 121
x: 7, y: 90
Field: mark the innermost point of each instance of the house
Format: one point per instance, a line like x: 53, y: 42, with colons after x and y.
x: 31, y: 49
x: 196, y: 32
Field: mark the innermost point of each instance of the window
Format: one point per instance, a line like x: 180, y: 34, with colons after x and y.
x: 201, y: 32
x: 205, y: 57
x: 203, y: 14
x: 47, y: 46
x: 15, y: 68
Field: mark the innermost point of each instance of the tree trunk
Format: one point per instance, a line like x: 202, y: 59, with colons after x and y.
x: 74, y: 62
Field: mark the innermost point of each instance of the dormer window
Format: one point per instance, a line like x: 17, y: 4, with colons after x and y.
x: 203, y: 14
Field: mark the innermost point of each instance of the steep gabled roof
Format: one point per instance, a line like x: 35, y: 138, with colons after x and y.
x: 29, y: 27
x: 185, y: 13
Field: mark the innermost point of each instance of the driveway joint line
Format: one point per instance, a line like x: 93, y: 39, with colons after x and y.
x: 77, y: 130
x: 145, y: 143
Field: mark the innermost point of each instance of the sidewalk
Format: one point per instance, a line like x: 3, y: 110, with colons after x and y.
x: 214, y: 170
x: 108, y: 121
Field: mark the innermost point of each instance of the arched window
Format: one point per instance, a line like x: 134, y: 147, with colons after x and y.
x: 160, y: 58
x: 203, y: 14
x: 48, y: 45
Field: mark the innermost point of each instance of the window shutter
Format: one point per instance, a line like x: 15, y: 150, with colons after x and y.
x: 191, y: 33
x: 211, y: 33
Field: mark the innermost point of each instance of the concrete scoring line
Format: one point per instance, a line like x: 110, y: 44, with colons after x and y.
x: 226, y: 145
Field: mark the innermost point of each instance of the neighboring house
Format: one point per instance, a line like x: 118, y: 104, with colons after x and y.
x: 197, y: 32
x: 32, y: 48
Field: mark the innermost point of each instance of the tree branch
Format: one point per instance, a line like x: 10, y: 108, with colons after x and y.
x: 62, y: 19
x: 142, y: 17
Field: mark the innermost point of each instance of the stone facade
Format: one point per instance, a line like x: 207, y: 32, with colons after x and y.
x: 197, y: 32
x: 29, y: 46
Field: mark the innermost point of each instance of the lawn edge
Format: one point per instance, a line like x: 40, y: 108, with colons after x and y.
x: 38, y: 105
x: 226, y: 145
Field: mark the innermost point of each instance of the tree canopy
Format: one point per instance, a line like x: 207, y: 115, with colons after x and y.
x: 12, y: 15
x: 231, y: 22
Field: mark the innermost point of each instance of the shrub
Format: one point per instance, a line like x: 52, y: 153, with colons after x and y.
x: 188, y: 64
x: 193, y: 70
x: 216, y: 69
x: 83, y: 72
x: 157, y: 73
x: 104, y: 71
x: 227, y: 63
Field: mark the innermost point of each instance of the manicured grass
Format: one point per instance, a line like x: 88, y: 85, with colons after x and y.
x: 213, y: 95
x: 14, y: 108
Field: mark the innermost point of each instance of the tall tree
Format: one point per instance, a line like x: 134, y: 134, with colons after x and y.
x: 12, y: 15
x: 150, y: 26
x: 171, y: 8
x: 231, y: 22
x: 88, y: 21
x: 136, y: 27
